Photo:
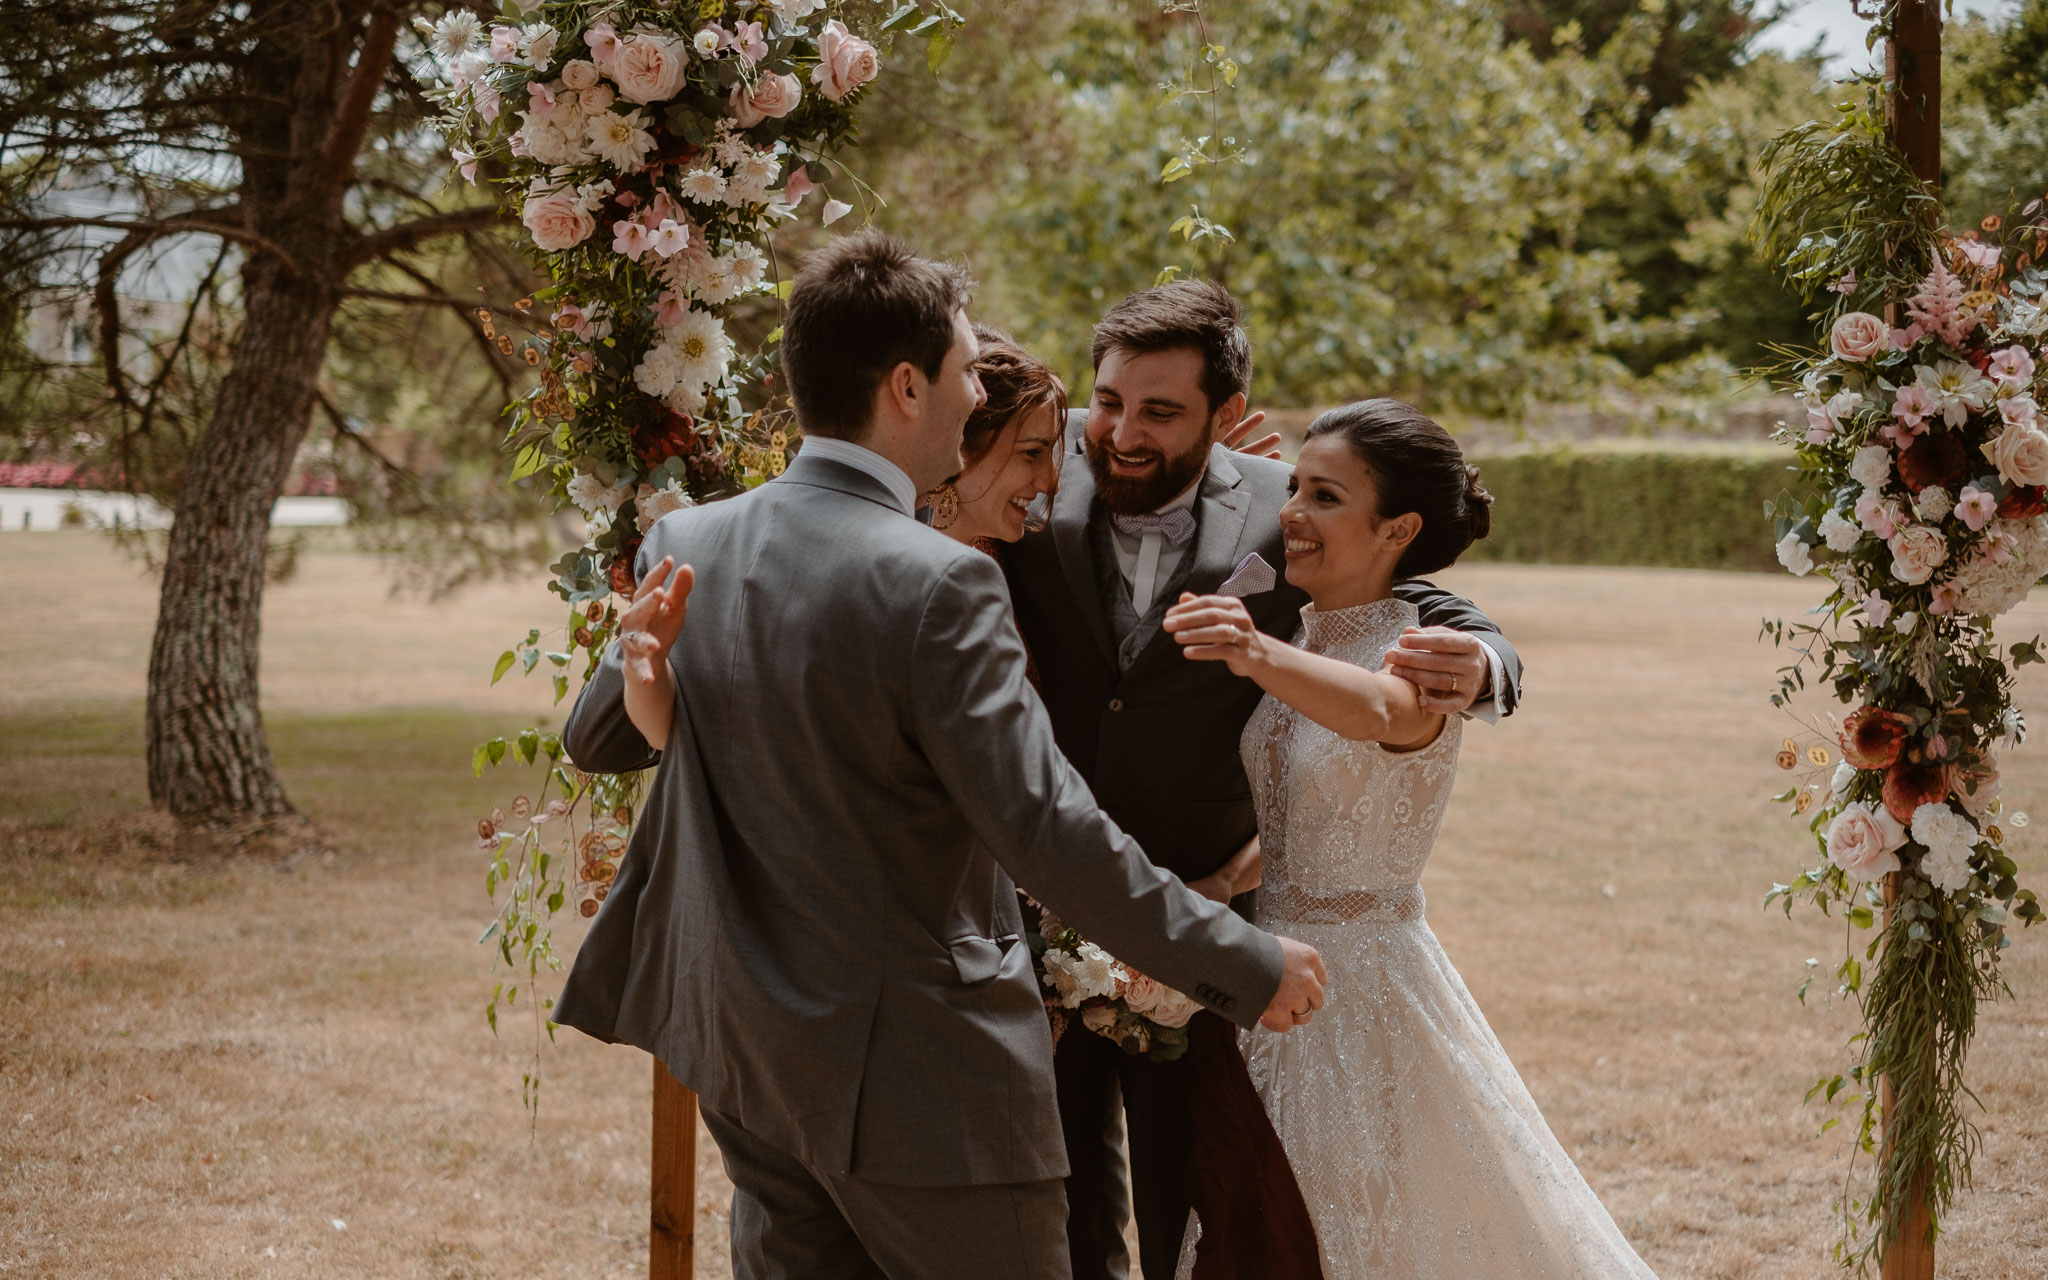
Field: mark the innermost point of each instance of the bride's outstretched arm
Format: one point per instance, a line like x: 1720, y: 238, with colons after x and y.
x: 1362, y: 705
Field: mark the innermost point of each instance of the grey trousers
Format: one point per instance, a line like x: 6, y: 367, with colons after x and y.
x: 793, y: 1222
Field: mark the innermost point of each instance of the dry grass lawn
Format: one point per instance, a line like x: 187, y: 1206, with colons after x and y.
x: 224, y: 1066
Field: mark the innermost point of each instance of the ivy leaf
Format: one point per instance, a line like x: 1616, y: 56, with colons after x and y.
x: 496, y: 749
x: 529, y: 743
x: 561, y: 691
x: 940, y: 49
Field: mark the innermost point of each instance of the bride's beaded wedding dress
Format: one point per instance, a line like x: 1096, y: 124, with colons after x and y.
x: 1417, y: 1147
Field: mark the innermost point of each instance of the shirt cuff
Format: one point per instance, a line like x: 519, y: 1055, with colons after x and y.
x: 1489, y: 710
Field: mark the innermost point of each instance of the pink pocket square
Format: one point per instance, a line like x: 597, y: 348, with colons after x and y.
x: 1251, y: 577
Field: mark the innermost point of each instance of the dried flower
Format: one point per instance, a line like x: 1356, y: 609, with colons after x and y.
x: 1872, y: 737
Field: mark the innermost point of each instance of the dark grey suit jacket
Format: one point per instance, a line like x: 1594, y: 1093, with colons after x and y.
x: 1158, y: 743
x: 813, y: 926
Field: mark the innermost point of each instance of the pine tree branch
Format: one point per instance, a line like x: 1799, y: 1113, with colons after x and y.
x: 352, y: 117
x: 410, y: 235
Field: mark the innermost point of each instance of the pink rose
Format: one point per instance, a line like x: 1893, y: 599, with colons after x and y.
x: 799, y: 185
x: 2021, y: 454
x: 1917, y: 551
x: 845, y: 61
x: 1173, y: 1009
x: 772, y: 97
x: 1878, y: 515
x: 1858, y: 335
x: 1143, y: 993
x: 557, y: 219
x: 579, y: 74
x: 1865, y: 842
x: 649, y: 68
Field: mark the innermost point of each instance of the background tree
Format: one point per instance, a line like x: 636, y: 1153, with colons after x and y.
x: 291, y: 132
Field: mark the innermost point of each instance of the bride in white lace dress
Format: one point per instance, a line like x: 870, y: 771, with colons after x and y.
x: 1417, y: 1148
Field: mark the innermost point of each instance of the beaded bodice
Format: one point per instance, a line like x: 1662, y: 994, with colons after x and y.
x: 1345, y: 827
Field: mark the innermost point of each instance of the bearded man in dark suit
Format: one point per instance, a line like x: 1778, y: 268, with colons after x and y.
x: 1153, y: 505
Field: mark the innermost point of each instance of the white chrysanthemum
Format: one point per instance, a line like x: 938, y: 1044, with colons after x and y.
x: 714, y: 282
x: 1795, y: 555
x: 622, y: 140
x: 548, y: 142
x: 685, y: 399
x: 537, y: 45
x: 658, y: 370
x: 651, y: 504
x: 1948, y: 869
x: 757, y: 168
x: 587, y: 492
x: 456, y: 33
x: 701, y: 349
x: 1840, y: 535
x: 1934, y: 503
x: 749, y: 266
x: 1871, y: 467
x: 704, y: 186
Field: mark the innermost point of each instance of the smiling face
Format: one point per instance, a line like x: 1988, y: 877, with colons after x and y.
x: 997, y: 488
x: 1339, y: 550
x: 1150, y: 427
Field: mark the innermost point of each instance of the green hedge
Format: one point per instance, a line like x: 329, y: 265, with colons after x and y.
x: 1691, y: 509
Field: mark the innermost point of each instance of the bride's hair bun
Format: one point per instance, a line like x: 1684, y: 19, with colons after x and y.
x: 1478, y: 504
x: 1418, y: 468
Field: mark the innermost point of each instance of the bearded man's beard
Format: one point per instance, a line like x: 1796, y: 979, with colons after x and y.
x: 1136, y: 495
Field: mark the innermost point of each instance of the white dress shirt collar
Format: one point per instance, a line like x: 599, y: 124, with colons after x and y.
x: 868, y: 461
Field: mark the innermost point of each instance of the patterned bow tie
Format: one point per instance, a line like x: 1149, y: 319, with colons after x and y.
x: 1177, y: 525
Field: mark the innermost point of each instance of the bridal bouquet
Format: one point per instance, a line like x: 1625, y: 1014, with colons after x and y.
x: 1115, y: 1001
x: 649, y: 148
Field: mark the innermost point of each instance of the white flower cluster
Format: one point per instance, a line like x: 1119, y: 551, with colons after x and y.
x: 591, y: 495
x: 1080, y: 975
x: 2012, y: 560
x: 651, y: 504
x: 716, y: 279
x: 1950, y: 839
x: 692, y: 354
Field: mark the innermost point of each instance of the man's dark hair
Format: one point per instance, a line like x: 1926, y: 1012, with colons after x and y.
x: 862, y: 305
x: 1199, y: 314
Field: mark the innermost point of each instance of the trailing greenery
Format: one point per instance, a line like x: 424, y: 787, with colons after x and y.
x: 1675, y: 508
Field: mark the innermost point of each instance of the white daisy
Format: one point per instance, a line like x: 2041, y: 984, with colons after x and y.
x: 701, y: 349
x: 704, y: 186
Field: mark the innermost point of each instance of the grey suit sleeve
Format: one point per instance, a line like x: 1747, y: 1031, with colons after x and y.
x: 985, y: 732
x: 599, y: 736
x: 1441, y: 608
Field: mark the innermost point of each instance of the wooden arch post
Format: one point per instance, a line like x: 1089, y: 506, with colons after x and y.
x: 1912, y: 66
x: 672, y: 1181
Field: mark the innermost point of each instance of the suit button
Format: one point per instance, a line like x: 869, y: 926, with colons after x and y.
x: 1116, y: 704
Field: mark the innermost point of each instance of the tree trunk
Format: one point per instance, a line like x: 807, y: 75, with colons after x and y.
x: 209, y: 760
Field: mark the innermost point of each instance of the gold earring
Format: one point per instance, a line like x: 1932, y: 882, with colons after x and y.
x: 945, y: 504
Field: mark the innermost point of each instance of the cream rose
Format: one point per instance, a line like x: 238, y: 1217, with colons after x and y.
x: 579, y: 73
x: 2021, y: 454
x: 845, y: 61
x: 649, y: 68
x: 557, y: 219
x: 1143, y: 993
x: 1917, y: 551
x: 1865, y: 842
x: 772, y: 97
x: 1859, y: 335
x: 1173, y: 1009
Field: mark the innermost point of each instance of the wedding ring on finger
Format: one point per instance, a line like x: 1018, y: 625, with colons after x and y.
x: 1454, y: 682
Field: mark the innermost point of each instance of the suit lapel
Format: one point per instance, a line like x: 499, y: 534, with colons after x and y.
x: 1069, y: 527
x: 1219, y: 539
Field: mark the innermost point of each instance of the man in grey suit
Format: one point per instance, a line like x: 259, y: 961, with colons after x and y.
x: 816, y: 927
x: 1150, y: 505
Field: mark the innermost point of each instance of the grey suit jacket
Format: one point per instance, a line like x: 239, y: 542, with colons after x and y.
x: 813, y: 925
x: 1158, y: 743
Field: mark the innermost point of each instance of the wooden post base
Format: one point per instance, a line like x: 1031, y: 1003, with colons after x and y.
x: 672, y: 1201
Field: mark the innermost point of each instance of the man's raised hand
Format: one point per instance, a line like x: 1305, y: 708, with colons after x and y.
x: 654, y: 619
x: 1301, y: 987
x: 1449, y: 667
x: 1266, y: 446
